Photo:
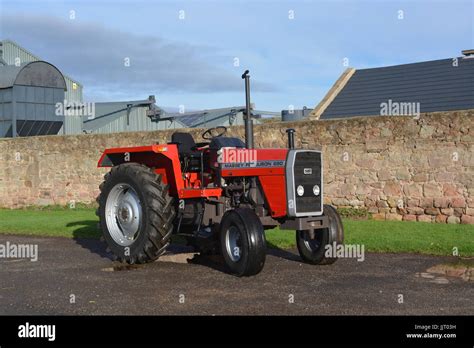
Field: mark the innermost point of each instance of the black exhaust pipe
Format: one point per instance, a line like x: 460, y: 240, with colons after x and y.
x: 291, y: 138
x: 248, y: 115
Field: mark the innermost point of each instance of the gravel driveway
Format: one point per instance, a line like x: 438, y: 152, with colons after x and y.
x: 77, y: 277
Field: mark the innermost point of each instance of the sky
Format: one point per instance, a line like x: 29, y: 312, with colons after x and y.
x: 192, y: 53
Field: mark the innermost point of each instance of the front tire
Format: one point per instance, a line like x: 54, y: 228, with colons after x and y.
x: 136, y: 213
x: 313, y: 250
x: 242, y: 240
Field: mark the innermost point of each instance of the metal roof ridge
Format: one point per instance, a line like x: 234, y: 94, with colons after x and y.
x: 406, y: 64
x: 38, y: 58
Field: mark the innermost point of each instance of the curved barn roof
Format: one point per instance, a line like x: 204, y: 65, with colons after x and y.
x: 38, y: 73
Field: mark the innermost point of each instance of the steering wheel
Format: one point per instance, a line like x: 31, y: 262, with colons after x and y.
x: 214, y: 132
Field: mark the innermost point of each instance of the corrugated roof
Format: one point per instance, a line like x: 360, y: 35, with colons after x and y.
x: 38, y: 73
x: 109, y: 111
x: 198, y: 118
x: 437, y: 85
x: 13, y: 43
x: 112, y: 117
x: 8, y: 74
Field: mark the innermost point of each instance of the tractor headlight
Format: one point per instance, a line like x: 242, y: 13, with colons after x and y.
x: 300, y: 190
x: 316, y: 190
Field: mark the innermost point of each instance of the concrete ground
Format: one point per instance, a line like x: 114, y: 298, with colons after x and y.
x: 76, y: 277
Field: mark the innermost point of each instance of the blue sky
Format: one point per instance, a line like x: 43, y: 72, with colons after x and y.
x: 190, y: 61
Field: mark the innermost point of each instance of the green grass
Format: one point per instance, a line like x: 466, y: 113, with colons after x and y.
x: 56, y: 207
x: 377, y: 236
x: 55, y: 222
x: 397, y: 236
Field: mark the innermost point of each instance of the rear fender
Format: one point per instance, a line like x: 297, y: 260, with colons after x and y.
x: 163, y: 159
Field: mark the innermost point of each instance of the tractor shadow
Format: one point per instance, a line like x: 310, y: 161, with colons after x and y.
x: 283, y: 253
x: 216, y: 261
x: 88, y: 236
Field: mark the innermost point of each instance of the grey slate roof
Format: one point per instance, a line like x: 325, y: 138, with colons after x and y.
x: 437, y: 85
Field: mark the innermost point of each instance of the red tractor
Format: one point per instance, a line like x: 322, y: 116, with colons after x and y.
x: 221, y: 194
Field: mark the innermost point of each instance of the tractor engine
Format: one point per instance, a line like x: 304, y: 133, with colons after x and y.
x: 236, y: 191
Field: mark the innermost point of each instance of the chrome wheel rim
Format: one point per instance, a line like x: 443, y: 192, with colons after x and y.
x: 233, y: 245
x: 123, y: 214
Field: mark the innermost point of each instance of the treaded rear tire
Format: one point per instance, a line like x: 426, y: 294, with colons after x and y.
x: 158, y: 212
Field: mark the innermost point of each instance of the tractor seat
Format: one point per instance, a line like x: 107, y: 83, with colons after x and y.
x: 189, y: 157
x: 185, y: 142
x: 220, y: 142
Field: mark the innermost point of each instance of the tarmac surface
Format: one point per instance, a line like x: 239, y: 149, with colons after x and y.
x: 77, y: 277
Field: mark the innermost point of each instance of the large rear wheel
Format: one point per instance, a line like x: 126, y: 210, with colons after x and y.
x: 312, y: 244
x: 136, y: 213
x: 242, y: 240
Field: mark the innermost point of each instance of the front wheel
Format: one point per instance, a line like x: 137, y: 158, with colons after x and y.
x: 312, y: 244
x: 242, y: 241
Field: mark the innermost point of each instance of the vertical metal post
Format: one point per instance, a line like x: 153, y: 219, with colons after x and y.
x: 248, y: 115
x: 14, y: 131
x: 249, y: 134
x: 291, y: 138
x: 129, y: 109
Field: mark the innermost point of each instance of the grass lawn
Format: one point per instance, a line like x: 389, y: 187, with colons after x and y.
x: 55, y: 222
x: 398, y: 236
x: 377, y: 236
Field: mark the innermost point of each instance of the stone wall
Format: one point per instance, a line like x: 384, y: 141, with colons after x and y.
x: 398, y: 168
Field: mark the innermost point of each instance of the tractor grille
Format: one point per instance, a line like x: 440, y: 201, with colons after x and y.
x: 304, y: 168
